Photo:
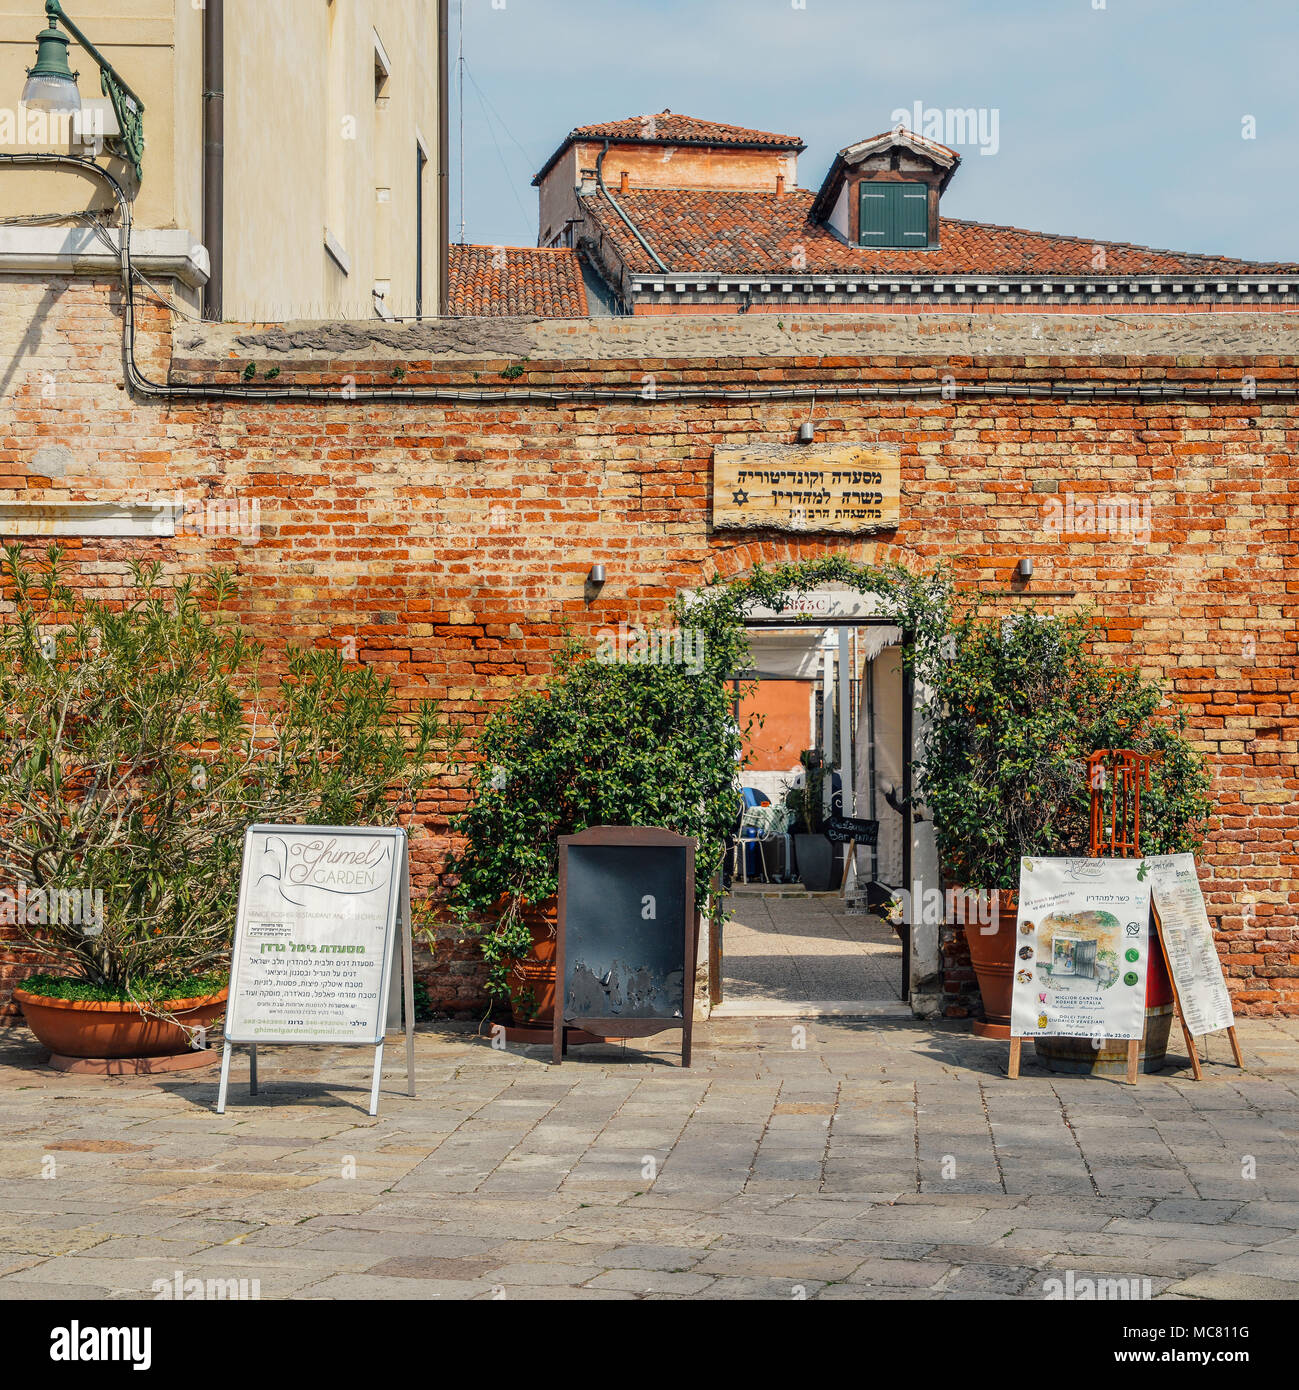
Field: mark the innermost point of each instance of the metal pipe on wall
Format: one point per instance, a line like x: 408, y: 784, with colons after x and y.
x: 444, y: 157
x: 847, y: 771
x: 872, y: 809
x: 847, y: 762
x: 908, y: 831
x: 827, y: 722
x: 214, y: 100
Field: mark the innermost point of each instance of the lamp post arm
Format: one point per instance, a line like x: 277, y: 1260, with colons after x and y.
x: 53, y: 8
x: 127, y: 105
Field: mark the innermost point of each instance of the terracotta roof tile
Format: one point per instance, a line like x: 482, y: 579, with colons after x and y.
x: 667, y: 128
x: 767, y: 234
x: 491, y: 281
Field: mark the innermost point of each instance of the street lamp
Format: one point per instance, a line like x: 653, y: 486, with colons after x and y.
x: 52, y: 85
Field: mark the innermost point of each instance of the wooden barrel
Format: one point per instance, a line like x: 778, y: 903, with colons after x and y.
x: 1080, y: 1057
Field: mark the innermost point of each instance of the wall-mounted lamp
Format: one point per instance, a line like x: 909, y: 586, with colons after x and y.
x: 52, y: 86
x: 596, y: 576
x: 1024, y: 570
x: 807, y: 433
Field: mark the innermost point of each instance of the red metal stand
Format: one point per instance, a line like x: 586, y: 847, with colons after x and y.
x: 1124, y: 774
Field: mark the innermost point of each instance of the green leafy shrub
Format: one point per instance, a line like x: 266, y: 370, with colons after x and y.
x: 604, y: 744
x: 148, y: 991
x: 1016, y: 708
x: 139, y: 739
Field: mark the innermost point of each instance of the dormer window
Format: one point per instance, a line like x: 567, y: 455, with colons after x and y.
x: 893, y: 214
x: 884, y: 192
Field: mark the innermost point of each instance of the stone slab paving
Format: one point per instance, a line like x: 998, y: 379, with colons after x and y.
x: 835, y: 1159
x: 783, y: 950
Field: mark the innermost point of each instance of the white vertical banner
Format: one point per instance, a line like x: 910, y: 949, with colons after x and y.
x: 1193, y: 959
x: 1082, y: 946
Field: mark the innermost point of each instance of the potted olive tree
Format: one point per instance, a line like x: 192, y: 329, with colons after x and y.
x: 138, y: 740
x: 605, y: 742
x: 1015, y: 709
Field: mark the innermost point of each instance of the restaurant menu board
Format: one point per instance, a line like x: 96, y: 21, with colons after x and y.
x: 1188, y: 941
x: 313, y: 950
x: 625, y: 932
x: 1082, y: 943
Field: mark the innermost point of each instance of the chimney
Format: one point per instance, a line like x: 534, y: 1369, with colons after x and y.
x: 780, y: 185
x: 625, y: 185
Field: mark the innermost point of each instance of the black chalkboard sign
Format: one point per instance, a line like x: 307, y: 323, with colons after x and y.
x: 844, y: 830
x: 625, y: 954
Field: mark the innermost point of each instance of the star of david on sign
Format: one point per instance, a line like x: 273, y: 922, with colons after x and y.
x: 740, y: 497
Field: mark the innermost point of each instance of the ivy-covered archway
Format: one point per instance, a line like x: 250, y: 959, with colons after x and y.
x: 918, y: 603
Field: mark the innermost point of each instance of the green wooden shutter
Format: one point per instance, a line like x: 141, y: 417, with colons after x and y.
x: 894, y: 214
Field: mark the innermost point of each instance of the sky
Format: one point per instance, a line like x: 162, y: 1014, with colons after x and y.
x: 1169, y: 123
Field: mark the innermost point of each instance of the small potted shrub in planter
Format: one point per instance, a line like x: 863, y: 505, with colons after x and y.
x: 606, y: 742
x: 138, y: 740
x: 814, y: 849
x: 1016, y: 708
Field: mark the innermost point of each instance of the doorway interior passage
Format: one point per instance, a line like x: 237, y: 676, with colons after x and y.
x: 806, y: 956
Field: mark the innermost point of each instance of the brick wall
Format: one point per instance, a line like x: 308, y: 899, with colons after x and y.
x: 451, y: 541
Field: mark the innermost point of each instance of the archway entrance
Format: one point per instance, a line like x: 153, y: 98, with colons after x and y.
x: 804, y: 932
x: 827, y: 656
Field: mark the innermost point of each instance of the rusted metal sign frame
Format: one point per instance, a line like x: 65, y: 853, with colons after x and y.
x: 628, y: 837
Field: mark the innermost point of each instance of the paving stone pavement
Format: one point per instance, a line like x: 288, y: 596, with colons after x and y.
x: 859, y: 1159
x: 785, y: 949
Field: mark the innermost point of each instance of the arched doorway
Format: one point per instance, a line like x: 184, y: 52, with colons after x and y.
x: 829, y: 627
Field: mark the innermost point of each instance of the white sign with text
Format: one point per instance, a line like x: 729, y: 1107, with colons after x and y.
x: 1188, y: 941
x: 314, y: 935
x: 1081, y: 949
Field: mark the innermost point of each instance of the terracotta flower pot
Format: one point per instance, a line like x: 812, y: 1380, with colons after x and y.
x: 84, y: 1028
x: 532, y: 979
x: 992, y: 953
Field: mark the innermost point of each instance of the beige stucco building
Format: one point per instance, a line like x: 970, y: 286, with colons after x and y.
x: 323, y: 194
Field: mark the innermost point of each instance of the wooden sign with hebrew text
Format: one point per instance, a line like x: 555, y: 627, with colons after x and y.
x: 846, y: 488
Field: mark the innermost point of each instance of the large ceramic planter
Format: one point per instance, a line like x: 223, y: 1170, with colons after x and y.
x: 992, y: 953
x: 815, y: 862
x: 532, y: 979
x: 106, y: 1031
